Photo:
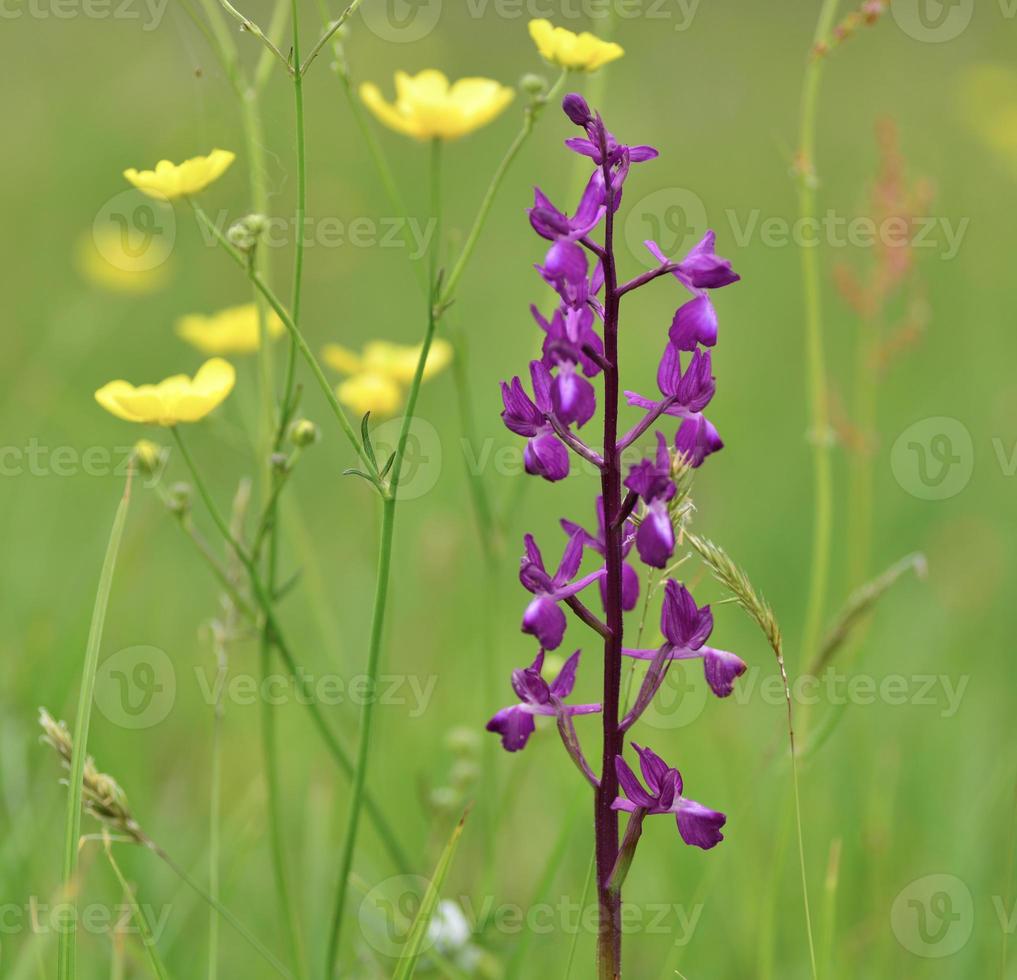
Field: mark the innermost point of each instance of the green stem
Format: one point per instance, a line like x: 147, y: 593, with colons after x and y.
x: 532, y: 113
x: 215, y: 808
x: 381, y: 595
x: 263, y: 951
x: 82, y: 721
x: 302, y: 345
x: 264, y: 602
x: 816, y: 376
x: 140, y: 917
x: 301, y: 212
x: 865, y: 421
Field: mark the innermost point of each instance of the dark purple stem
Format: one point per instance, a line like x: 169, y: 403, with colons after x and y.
x: 633, y: 434
x: 661, y: 270
x: 582, y: 611
x: 575, y: 443
x: 570, y: 740
x: 609, y: 900
x: 628, y: 505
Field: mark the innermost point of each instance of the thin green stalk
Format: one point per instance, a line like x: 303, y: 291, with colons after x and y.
x: 381, y: 595
x: 304, y: 348
x: 816, y: 376
x: 532, y: 113
x: 582, y: 911
x: 364, y: 739
x: 82, y: 721
x: 861, y: 505
x: 264, y: 602
x: 140, y: 917
x: 301, y: 212
x: 252, y: 940
x: 215, y: 804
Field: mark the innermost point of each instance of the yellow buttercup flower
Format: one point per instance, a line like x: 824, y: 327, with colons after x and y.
x: 379, y: 375
x: 107, y: 260
x: 368, y: 392
x: 580, y: 52
x: 428, y: 107
x: 172, y: 180
x: 177, y: 399
x: 985, y: 98
x: 230, y: 331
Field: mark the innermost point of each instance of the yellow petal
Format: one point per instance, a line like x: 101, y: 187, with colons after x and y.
x: 341, y: 359
x: 169, y: 180
x: 369, y: 392
x: 235, y: 330
x: 579, y: 52
x: 175, y: 399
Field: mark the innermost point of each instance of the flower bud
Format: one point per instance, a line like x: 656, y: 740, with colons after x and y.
x: 245, y: 232
x: 303, y: 433
x: 149, y: 456
x: 179, y: 498
x: 280, y: 462
x: 533, y: 84
x: 577, y: 109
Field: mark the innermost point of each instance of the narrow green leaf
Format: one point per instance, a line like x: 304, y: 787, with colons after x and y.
x: 72, y: 832
x: 365, y: 435
x: 418, y: 931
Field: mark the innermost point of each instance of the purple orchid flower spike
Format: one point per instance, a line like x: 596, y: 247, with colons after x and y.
x: 578, y: 111
x: 686, y: 628
x: 566, y: 265
x: 515, y: 724
x: 685, y: 393
x: 544, y: 454
x: 544, y: 618
x: 697, y: 438
x: 598, y: 543
x: 652, y: 480
x: 698, y: 825
x: 702, y: 269
x: 568, y: 332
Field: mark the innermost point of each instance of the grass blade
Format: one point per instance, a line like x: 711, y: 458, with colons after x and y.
x: 66, y: 962
x: 418, y: 931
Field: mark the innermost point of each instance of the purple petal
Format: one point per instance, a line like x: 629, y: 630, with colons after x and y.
x: 521, y: 416
x: 699, y: 826
x: 653, y: 767
x: 515, y: 727
x: 655, y: 537
x: 563, y: 684
x: 698, y: 386
x: 639, y: 154
x: 696, y: 439
x: 681, y: 620
x: 704, y: 268
x: 529, y: 686
x: 657, y: 252
x: 694, y: 323
x: 577, y: 109
x: 669, y: 373
x: 630, y: 587
x: 582, y: 146
x: 722, y: 670
x: 571, y: 559
x: 565, y: 262
x: 541, y: 378
x: 544, y: 620
x: 630, y: 785
x: 545, y: 456
x: 573, y: 397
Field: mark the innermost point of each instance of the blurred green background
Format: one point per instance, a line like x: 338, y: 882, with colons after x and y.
x: 904, y: 788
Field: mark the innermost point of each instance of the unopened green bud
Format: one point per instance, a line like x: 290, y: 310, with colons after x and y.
x: 149, y: 456
x: 244, y: 234
x: 533, y: 84
x: 304, y: 433
x: 179, y: 498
